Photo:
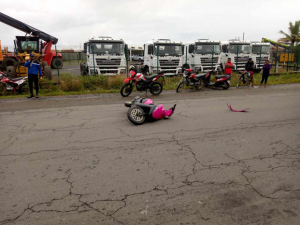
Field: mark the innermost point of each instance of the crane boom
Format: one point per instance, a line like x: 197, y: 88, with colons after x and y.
x: 26, y: 28
x: 275, y: 43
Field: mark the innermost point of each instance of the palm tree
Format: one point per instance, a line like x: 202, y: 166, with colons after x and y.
x: 294, y: 36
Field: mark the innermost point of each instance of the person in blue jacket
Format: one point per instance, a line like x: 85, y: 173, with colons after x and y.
x: 34, y: 69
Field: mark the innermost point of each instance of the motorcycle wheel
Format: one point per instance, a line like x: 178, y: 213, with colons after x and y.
x: 155, y: 88
x: 179, y: 86
x: 136, y: 115
x: 239, y: 83
x: 200, y: 85
x: 225, y: 86
x: 126, y: 89
x: 20, y: 90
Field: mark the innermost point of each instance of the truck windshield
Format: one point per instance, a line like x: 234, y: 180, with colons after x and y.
x: 208, y: 49
x: 106, y: 48
x: 239, y: 48
x: 168, y: 50
x: 264, y: 49
x: 29, y: 46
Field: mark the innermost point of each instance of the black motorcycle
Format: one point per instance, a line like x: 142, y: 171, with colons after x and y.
x: 190, y: 79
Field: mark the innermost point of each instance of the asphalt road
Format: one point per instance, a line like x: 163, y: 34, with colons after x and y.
x: 77, y: 160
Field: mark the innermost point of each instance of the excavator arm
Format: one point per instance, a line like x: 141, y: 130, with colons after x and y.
x: 265, y: 40
x: 26, y: 28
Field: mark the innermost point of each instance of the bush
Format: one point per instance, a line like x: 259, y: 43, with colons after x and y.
x: 70, y: 83
x: 115, y: 82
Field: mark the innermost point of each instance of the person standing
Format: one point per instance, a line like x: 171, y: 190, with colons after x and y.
x: 249, y: 66
x: 266, y: 73
x: 34, y: 69
x: 228, y: 67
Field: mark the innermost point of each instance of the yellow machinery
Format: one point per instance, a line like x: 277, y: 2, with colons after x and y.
x: 286, y: 57
x: 1, y: 55
x: 35, y: 41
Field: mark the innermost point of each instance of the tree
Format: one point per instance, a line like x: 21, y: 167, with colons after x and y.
x: 294, y: 36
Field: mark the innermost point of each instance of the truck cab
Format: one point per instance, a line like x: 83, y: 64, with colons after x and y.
x: 239, y: 52
x: 104, y: 55
x: 260, y: 53
x: 165, y: 55
x: 202, y: 54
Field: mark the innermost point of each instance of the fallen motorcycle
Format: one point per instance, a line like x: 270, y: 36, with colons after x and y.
x: 12, y: 84
x: 142, y: 109
x: 143, y: 83
x: 190, y: 79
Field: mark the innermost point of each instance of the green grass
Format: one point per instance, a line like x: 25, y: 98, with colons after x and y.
x: 74, y: 85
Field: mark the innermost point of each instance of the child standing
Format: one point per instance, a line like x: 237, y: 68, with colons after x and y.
x: 266, y: 73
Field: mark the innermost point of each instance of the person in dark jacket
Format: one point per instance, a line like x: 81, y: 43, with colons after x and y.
x: 249, y: 66
x: 266, y: 73
x: 34, y: 69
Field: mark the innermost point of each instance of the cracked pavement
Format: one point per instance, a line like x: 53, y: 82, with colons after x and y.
x: 84, y: 163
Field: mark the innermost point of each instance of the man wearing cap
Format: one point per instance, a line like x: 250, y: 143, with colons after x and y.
x: 34, y: 69
x: 249, y: 66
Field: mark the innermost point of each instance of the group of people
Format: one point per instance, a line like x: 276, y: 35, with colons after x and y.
x: 249, y: 67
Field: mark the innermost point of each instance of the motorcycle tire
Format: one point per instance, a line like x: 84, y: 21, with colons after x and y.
x: 239, y: 83
x: 179, y: 86
x: 126, y: 89
x: 200, y: 85
x: 156, y: 88
x: 136, y: 115
x: 20, y: 90
x: 226, y: 85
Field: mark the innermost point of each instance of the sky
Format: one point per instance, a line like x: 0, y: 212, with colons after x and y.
x: 73, y: 22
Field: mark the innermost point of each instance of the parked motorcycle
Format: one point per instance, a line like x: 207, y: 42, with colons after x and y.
x: 142, y: 109
x: 143, y: 83
x: 12, y: 84
x: 220, y: 80
x: 190, y: 79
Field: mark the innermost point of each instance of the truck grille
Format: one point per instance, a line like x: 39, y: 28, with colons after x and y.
x: 165, y: 62
x: 108, y: 71
x: 262, y: 61
x: 206, y: 62
x: 241, y: 61
x: 108, y: 62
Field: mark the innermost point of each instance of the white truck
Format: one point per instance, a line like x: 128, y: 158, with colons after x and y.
x: 239, y: 52
x: 260, y: 53
x: 202, y: 54
x: 165, y: 55
x: 104, y: 55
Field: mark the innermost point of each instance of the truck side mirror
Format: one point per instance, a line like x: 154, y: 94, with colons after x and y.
x: 85, y: 47
x: 191, y: 48
x: 150, y: 49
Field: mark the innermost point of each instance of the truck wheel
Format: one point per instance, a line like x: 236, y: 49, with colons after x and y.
x: 219, y: 70
x: 56, y: 62
x: 8, y: 62
x: 47, y: 72
x: 11, y: 71
x: 82, y: 69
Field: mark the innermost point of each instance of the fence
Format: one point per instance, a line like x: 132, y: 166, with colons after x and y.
x: 73, y: 56
x: 289, y: 58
